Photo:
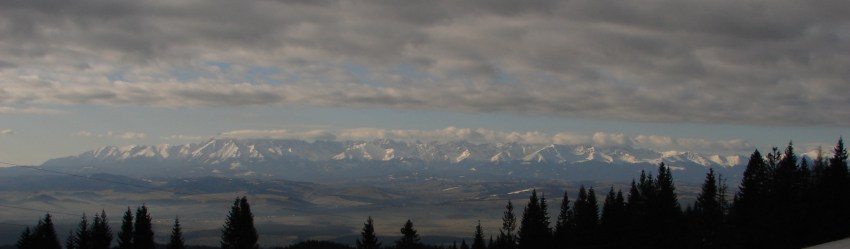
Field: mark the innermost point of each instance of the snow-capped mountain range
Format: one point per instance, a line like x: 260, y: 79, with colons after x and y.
x: 389, y: 159
x: 217, y: 151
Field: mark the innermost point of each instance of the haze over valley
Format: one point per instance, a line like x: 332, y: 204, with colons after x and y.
x: 299, y: 189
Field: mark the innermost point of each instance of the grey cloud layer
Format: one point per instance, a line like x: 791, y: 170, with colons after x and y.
x: 756, y: 62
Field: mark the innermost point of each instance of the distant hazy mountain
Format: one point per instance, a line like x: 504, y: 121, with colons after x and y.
x: 379, y: 158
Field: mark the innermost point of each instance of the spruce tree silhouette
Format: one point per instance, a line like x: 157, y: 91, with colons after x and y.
x: 613, y: 221
x: 125, y: 236
x: 229, y: 232
x: 784, y: 199
x: 368, y: 239
x: 238, y: 231
x: 749, y: 205
x: 667, y: 211
x: 655, y: 215
x: 26, y: 240
x: 176, y: 241
x: 707, y: 227
x: 82, y: 235
x: 478, y: 238
x: 565, y: 224
x: 409, y: 238
x: 534, y: 231
x: 44, y: 235
x: 248, y: 236
x: 836, y: 185
x: 586, y: 212
x: 639, y: 223
x: 506, y: 238
x: 143, y: 230
x: 101, y: 232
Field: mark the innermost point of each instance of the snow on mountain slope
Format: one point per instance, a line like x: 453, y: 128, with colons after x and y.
x: 503, y: 156
x: 548, y: 154
x: 728, y: 161
x: 673, y: 157
x: 228, y: 150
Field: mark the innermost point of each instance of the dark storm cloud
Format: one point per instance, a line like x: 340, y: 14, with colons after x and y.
x: 753, y: 62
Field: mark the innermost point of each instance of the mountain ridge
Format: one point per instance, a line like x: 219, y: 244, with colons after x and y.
x: 391, y: 160
x: 220, y: 150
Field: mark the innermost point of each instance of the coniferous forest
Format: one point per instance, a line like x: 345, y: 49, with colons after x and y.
x: 782, y: 201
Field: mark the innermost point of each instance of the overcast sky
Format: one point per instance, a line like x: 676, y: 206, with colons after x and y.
x: 710, y: 76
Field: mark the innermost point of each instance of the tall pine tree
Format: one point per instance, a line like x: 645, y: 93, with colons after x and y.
x: 83, y: 236
x: 26, y: 240
x: 478, y: 238
x: 586, y: 211
x: 101, y: 233
x: 834, y: 191
x: 143, y: 230
x: 534, y: 231
x: 750, y: 202
x: 785, y: 198
x: 608, y: 211
x: 707, y: 228
x: 125, y: 236
x: 409, y: 238
x: 655, y: 216
x: 248, y: 235
x: 238, y: 231
x: 635, y: 235
x: 667, y: 210
x: 230, y: 230
x: 565, y: 224
x: 176, y: 240
x: 368, y: 239
x: 506, y: 238
x: 44, y: 235
x: 614, y: 219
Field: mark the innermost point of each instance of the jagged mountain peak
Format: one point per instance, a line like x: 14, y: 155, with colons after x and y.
x: 220, y: 150
x: 297, y: 159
